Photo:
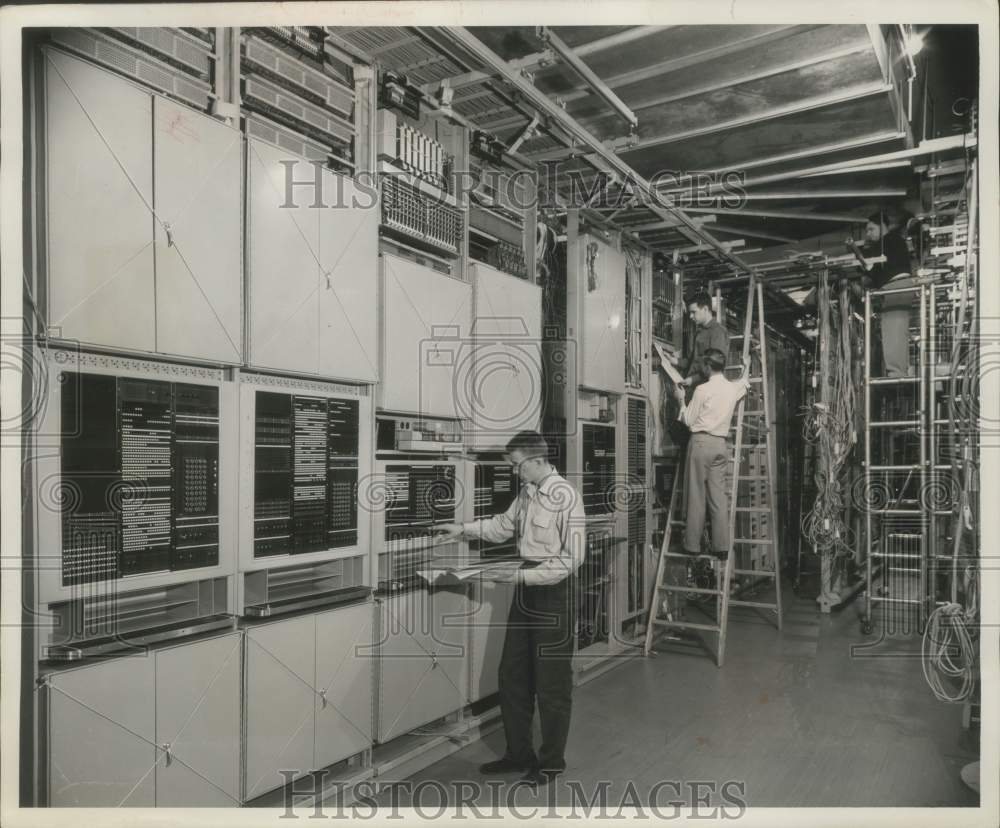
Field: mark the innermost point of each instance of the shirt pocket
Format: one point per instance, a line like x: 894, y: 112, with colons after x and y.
x: 542, y: 525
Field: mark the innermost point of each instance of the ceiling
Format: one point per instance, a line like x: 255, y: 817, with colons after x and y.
x: 776, y: 107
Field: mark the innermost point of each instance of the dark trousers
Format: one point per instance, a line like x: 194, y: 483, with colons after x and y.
x: 537, y: 661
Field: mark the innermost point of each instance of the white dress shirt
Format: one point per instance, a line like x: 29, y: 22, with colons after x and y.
x: 550, y: 525
x: 712, y: 405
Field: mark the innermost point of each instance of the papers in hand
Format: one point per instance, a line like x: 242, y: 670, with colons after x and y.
x: 668, y: 369
x: 459, y: 574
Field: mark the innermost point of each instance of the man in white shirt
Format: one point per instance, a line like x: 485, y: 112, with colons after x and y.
x: 548, y: 520
x: 709, y: 416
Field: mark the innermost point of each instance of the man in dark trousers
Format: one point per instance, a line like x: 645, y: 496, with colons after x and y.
x: 548, y: 521
x: 884, y: 236
x: 709, y: 334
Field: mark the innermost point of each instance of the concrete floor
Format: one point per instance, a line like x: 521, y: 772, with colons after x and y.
x: 801, y: 718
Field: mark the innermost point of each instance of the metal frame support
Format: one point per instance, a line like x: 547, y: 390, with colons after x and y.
x: 574, y: 62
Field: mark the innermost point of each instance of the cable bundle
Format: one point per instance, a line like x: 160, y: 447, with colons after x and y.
x: 948, y: 653
x: 830, y: 427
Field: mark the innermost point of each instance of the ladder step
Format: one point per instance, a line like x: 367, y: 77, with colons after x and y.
x: 695, y: 590
x: 758, y: 604
x: 754, y: 541
x: 701, y: 555
x: 893, y: 380
x: 748, y: 446
x: 762, y: 573
x: 753, y: 477
x: 753, y: 508
x: 686, y: 625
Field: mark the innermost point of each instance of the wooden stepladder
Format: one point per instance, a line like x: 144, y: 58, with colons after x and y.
x: 753, y: 558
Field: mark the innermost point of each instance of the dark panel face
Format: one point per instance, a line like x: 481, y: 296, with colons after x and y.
x: 309, y: 467
x: 598, y: 469
x: 305, y: 475
x: 496, y: 488
x: 90, y: 465
x: 145, y: 421
x: 196, y: 477
x: 142, y: 466
x: 272, y: 474
x: 342, y: 477
x: 417, y: 497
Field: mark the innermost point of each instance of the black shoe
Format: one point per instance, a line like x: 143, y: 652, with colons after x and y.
x: 539, y: 778
x: 504, y: 765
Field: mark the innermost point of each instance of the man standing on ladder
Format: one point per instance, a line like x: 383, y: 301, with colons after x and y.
x: 709, y: 416
x: 710, y: 334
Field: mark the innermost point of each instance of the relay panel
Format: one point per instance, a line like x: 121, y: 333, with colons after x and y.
x: 140, y: 466
x: 416, y: 497
x: 305, y: 473
x: 496, y: 487
x: 598, y: 469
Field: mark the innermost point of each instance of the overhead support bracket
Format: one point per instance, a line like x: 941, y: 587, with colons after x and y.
x: 529, y: 131
x: 574, y: 62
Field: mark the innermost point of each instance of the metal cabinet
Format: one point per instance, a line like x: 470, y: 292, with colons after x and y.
x: 602, y: 345
x: 348, y: 287
x: 487, y: 631
x: 278, y: 703
x: 198, y: 171
x: 142, y: 218
x: 498, y: 381
x: 425, y: 334
x: 99, y: 195
x: 422, y: 651
x: 101, y: 735
x: 308, y: 694
x: 345, y: 668
x: 198, y: 717
x: 313, y: 283
x: 161, y: 728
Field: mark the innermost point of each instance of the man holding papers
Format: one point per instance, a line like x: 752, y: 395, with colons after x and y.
x: 548, y: 522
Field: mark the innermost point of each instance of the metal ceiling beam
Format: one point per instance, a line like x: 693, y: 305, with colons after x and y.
x: 702, y: 248
x: 885, y: 160
x: 662, y: 68
x: 792, y: 194
x: 539, y: 60
x: 546, y: 35
x: 755, y: 234
x: 663, y: 225
x: 674, y: 64
x: 822, y: 149
x: 782, y: 214
x: 769, y: 72
x: 821, y: 102
x: 704, y: 89
x: 605, y: 158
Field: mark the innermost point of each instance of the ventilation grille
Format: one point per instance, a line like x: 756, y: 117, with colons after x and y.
x: 288, y: 109
x: 171, y: 46
x: 270, y: 62
x: 637, y: 470
x: 135, y: 65
x: 409, y: 212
